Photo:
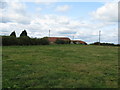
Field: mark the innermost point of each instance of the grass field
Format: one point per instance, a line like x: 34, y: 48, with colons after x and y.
x: 60, y: 66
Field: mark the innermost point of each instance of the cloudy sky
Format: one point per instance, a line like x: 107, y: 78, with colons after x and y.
x: 83, y: 20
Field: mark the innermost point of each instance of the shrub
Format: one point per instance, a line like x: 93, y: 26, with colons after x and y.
x: 58, y: 41
x: 9, y: 40
x: 44, y: 41
x: 104, y: 44
x: 24, y: 40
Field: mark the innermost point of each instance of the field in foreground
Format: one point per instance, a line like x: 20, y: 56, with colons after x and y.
x: 60, y: 66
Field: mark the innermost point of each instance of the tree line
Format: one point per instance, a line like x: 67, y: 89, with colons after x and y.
x: 23, y: 39
x: 104, y: 44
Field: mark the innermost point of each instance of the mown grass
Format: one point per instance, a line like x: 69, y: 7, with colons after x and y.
x: 60, y: 66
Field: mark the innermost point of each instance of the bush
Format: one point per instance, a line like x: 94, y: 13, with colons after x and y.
x: 9, y: 40
x: 44, y: 41
x: 24, y: 40
x: 34, y: 41
x: 58, y: 41
x: 104, y: 44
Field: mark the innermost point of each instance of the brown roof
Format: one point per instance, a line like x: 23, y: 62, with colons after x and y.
x: 53, y: 39
x: 79, y: 41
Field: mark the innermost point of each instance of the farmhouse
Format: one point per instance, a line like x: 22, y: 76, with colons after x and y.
x: 78, y: 42
x: 53, y: 39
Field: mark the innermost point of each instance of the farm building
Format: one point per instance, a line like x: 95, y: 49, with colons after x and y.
x: 53, y: 39
x: 78, y: 42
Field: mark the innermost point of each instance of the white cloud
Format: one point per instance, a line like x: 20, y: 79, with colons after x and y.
x: 14, y: 12
x: 62, y: 26
x: 16, y: 18
x: 62, y: 8
x: 107, y: 21
x: 38, y: 9
x: 108, y: 12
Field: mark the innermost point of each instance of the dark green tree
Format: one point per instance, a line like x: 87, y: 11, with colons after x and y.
x: 44, y: 41
x: 9, y: 40
x: 58, y: 41
x: 24, y: 40
x: 13, y: 34
x: 24, y: 33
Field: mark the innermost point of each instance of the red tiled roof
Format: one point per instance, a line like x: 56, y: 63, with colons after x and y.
x: 79, y: 41
x: 53, y: 39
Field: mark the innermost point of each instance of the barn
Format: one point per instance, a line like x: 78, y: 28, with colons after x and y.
x: 53, y: 39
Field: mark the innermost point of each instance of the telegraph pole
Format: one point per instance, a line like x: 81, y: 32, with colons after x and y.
x: 73, y: 37
x: 49, y: 33
x: 99, y: 36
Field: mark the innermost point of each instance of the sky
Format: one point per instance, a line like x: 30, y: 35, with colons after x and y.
x: 81, y: 20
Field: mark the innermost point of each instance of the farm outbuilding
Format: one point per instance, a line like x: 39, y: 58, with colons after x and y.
x: 78, y: 42
x: 53, y: 39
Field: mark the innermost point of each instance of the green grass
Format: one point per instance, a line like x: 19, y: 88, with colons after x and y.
x: 60, y: 66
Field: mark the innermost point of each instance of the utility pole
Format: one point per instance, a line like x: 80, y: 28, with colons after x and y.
x: 73, y: 37
x: 49, y: 33
x: 99, y: 36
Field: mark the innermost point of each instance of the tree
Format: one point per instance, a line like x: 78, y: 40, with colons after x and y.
x: 13, y: 34
x: 58, y: 41
x: 9, y: 40
x: 24, y: 33
x: 44, y: 41
x: 24, y: 40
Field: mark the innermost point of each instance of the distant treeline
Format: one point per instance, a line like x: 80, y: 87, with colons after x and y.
x: 23, y: 40
x: 105, y: 44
